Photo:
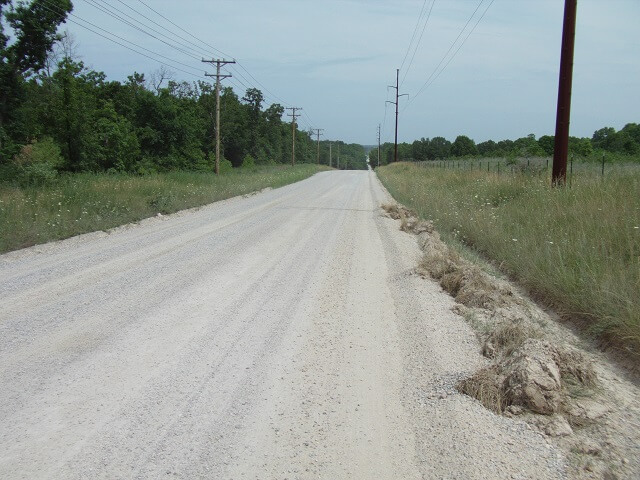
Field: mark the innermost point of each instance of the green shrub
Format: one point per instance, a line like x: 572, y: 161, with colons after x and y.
x: 38, y: 162
x: 249, y: 162
x: 225, y: 166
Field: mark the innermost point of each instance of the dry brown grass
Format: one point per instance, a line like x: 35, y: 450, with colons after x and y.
x: 507, y: 336
x: 485, y: 385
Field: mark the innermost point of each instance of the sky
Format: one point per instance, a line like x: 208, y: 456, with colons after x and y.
x: 336, y: 59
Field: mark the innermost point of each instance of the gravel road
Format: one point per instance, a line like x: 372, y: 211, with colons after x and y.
x: 279, y: 335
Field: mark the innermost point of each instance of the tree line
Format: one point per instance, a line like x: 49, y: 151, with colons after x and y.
x: 626, y: 141
x: 57, y: 115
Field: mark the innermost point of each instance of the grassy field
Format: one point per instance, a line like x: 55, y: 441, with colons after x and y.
x: 82, y: 203
x: 578, y: 248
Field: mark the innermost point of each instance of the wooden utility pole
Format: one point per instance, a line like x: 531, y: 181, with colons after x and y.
x: 330, y: 145
x: 293, y: 116
x: 318, y: 132
x: 378, y: 144
x: 561, y: 146
x: 219, y: 63
x: 338, y: 158
x: 398, y: 95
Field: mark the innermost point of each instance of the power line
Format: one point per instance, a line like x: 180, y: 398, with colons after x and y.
x: 435, y: 70
x: 48, y: 6
x: 191, y: 46
x: 188, y: 48
x: 415, y: 30
x: 463, y: 42
x: 415, y: 50
x: 185, y: 31
x: 206, y: 52
x: 238, y: 63
x: 106, y: 10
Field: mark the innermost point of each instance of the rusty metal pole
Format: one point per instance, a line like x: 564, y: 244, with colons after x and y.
x: 561, y: 146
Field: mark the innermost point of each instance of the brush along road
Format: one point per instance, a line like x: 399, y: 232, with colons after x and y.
x: 279, y: 335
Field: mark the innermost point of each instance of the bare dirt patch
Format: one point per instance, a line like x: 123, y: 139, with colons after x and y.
x: 536, y: 369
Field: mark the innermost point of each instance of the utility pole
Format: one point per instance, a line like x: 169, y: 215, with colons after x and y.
x: 219, y: 63
x: 318, y: 133
x: 293, y: 116
x: 378, y: 144
x: 338, y: 158
x: 398, y: 95
x: 561, y: 146
x: 330, y: 145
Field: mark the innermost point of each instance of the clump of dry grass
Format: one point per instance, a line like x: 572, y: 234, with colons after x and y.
x: 409, y: 221
x: 485, y: 385
x: 575, y: 367
x: 508, y: 336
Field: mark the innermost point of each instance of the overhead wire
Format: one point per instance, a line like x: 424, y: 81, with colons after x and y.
x: 436, y: 70
x: 53, y: 8
x: 235, y: 81
x: 188, y: 48
x: 202, y: 50
x: 238, y: 63
x: 106, y: 9
x: 462, y: 43
x: 415, y: 50
x: 415, y: 30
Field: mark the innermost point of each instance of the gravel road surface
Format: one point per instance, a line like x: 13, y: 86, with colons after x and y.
x: 279, y: 335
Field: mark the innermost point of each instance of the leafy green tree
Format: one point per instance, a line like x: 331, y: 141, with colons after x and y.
x: 420, y: 149
x: 580, y: 146
x: 633, y: 130
x: 114, y: 144
x: 527, y: 146
x: 487, y: 148
x: 547, y: 143
x: 253, y: 99
x: 34, y: 25
x: 463, y: 146
x: 439, y: 147
x: 604, y: 138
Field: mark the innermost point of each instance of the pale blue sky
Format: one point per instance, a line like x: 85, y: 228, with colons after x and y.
x: 335, y: 59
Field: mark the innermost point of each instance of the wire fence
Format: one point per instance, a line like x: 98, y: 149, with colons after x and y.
x: 539, y: 166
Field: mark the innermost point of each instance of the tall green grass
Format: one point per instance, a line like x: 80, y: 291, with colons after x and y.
x: 577, y: 248
x: 81, y: 203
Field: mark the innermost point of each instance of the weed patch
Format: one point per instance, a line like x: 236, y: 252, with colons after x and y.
x: 577, y: 249
x: 75, y: 204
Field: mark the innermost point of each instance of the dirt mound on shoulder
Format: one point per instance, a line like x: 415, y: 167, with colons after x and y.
x: 533, y: 368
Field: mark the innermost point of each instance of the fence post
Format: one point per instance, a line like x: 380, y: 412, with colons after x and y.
x: 571, y: 172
